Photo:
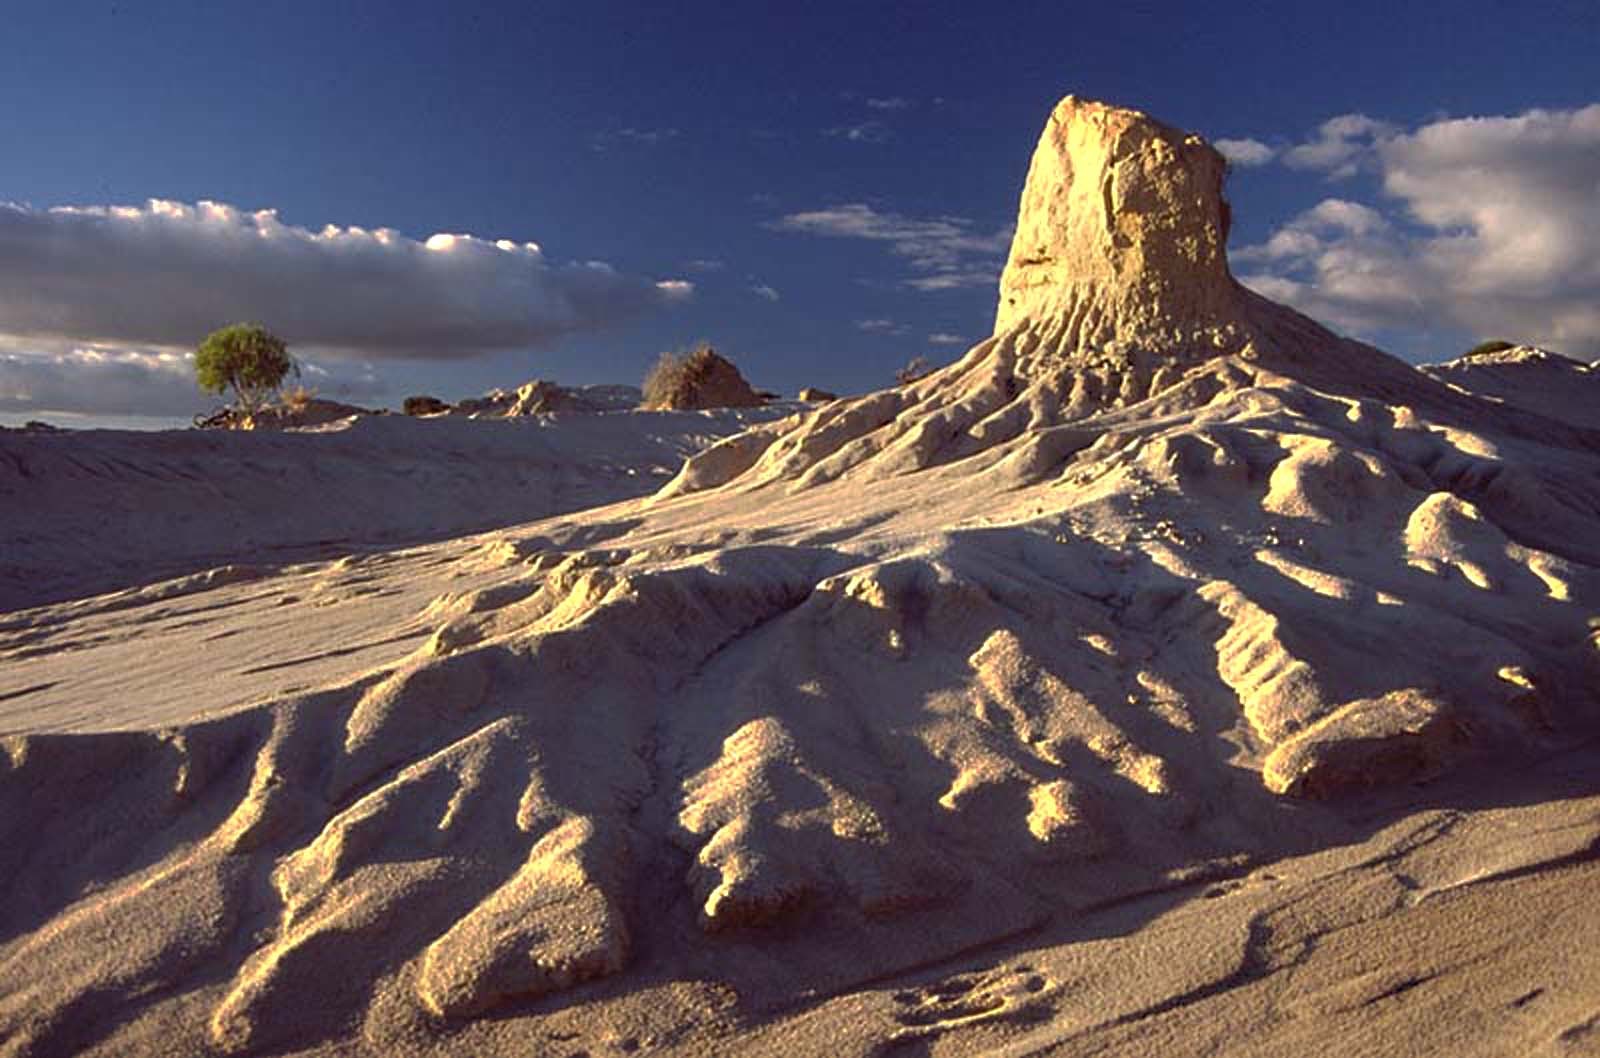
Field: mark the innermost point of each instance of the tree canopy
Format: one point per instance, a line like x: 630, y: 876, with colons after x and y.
x: 244, y: 357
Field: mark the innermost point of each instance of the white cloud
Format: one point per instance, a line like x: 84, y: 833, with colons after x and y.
x: 168, y: 273
x: 865, y: 132
x: 945, y: 338
x: 1245, y: 152
x: 946, y: 249
x: 762, y: 290
x: 705, y: 264
x: 1342, y: 146
x: 889, y: 103
x: 882, y: 326
x: 982, y: 277
x: 1494, y: 229
x: 1332, y: 219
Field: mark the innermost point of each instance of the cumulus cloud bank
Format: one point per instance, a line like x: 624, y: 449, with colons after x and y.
x: 1342, y: 143
x: 1492, y: 226
x: 167, y: 273
x: 40, y: 377
x: 945, y: 250
x: 95, y: 381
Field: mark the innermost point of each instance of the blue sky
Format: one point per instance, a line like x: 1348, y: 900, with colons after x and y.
x: 836, y: 181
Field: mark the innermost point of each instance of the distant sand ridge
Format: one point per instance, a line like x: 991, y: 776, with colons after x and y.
x: 1109, y: 607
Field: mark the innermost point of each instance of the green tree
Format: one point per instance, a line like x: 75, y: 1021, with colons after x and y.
x: 244, y: 357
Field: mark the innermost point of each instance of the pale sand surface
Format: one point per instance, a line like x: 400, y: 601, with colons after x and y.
x: 1168, y: 676
x: 88, y: 512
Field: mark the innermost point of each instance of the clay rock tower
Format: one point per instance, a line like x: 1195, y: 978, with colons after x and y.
x: 1117, y: 289
x: 1121, y: 235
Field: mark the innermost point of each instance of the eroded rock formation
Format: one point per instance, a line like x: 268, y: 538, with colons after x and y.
x: 1103, y: 608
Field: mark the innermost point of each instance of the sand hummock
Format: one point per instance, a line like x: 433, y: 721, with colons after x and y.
x: 1168, y: 675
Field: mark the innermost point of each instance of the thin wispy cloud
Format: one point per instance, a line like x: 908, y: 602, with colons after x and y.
x: 166, y: 273
x: 601, y: 141
x: 945, y: 338
x: 945, y: 251
x: 1490, y: 226
x: 891, y: 328
x: 765, y: 292
x: 861, y: 132
x: 971, y: 278
x: 705, y: 264
x: 888, y: 103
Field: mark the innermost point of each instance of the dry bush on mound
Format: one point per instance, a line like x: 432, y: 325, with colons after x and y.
x: 296, y: 398
x: 700, y: 378
x: 422, y: 404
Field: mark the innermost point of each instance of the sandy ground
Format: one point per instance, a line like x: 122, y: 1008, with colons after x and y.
x: 90, y: 511
x: 1168, y: 676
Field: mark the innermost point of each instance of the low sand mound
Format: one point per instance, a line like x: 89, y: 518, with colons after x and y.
x: 1528, y: 377
x: 1118, y: 603
x: 315, y: 411
x: 89, y: 511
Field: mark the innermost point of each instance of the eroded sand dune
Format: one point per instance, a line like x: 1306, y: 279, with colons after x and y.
x: 1162, y: 593
x: 87, y: 512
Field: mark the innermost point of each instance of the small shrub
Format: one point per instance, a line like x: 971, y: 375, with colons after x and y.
x: 297, y: 397
x: 1497, y: 345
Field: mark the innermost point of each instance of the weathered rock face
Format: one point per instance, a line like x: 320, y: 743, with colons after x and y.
x: 541, y: 397
x: 1121, y: 236
x: 314, y: 412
